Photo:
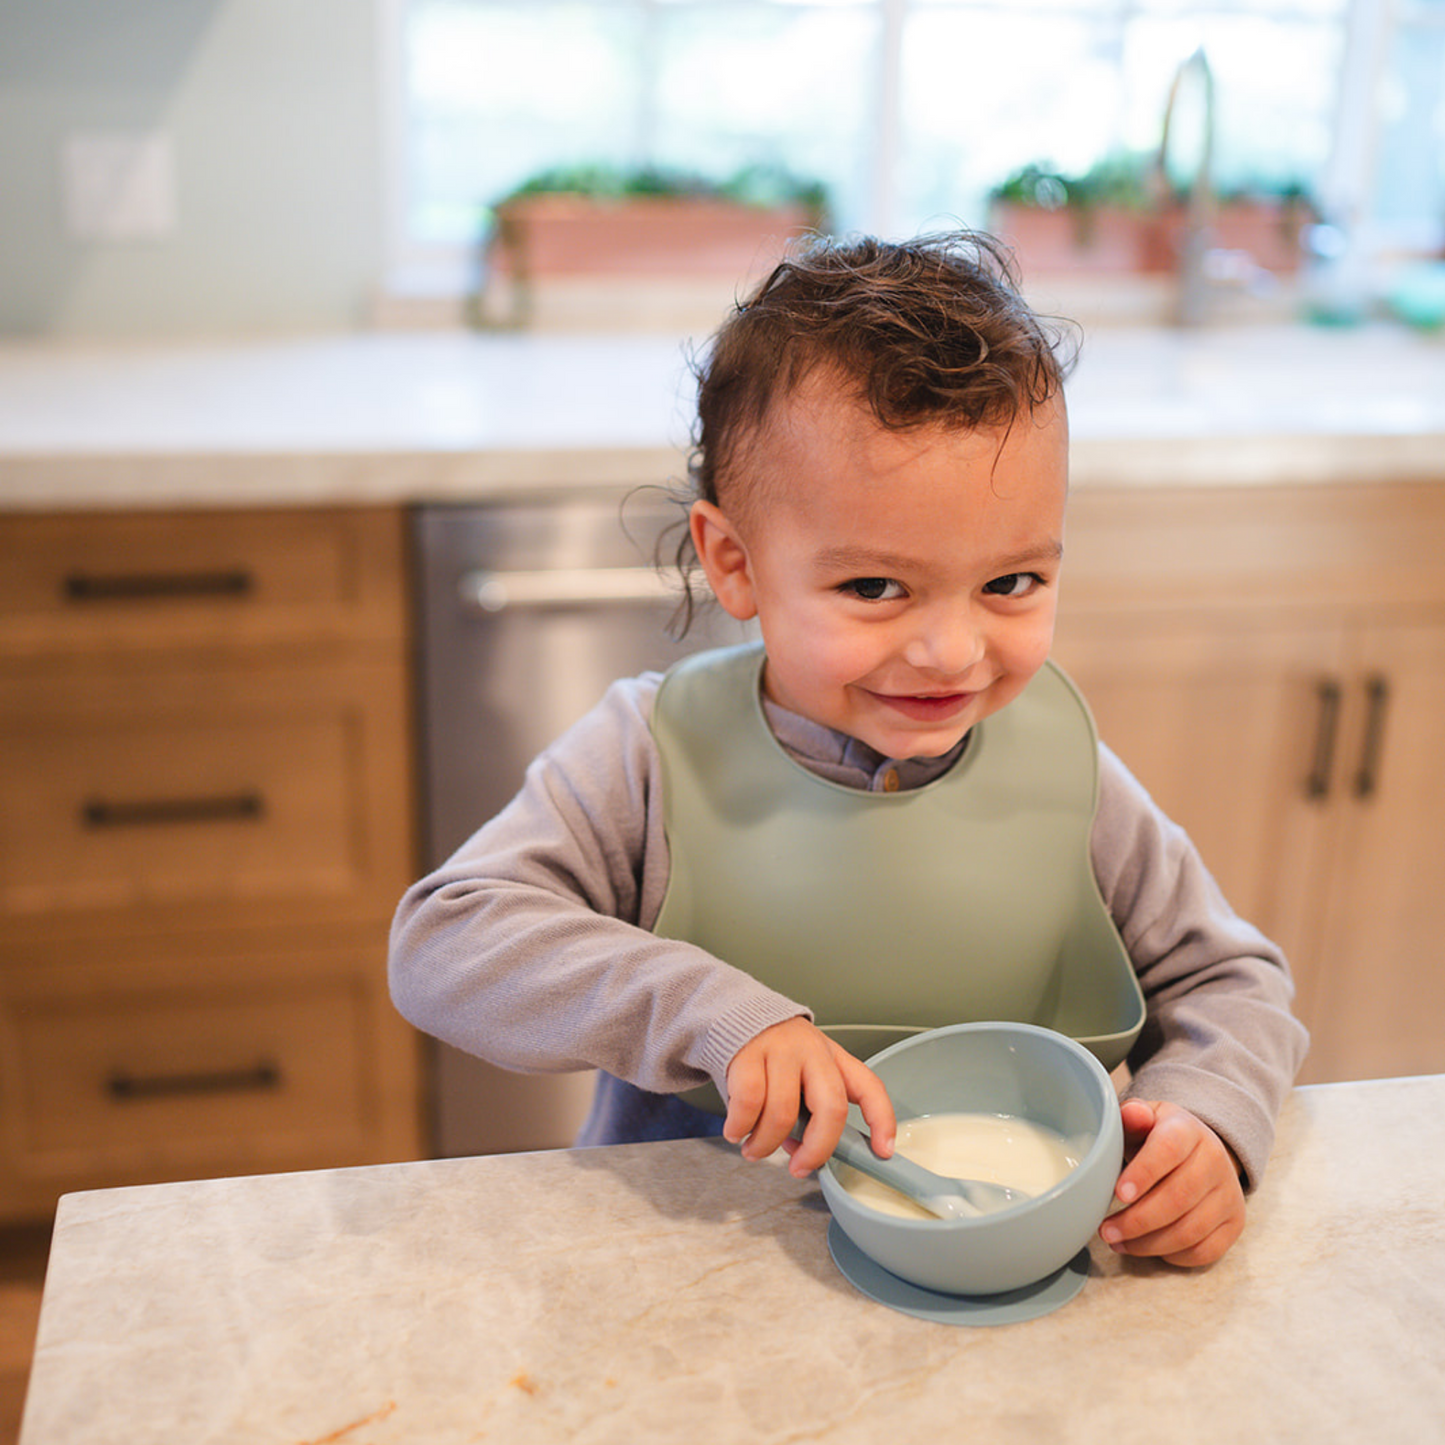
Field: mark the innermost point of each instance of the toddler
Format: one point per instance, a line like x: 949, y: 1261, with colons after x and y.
x: 890, y: 812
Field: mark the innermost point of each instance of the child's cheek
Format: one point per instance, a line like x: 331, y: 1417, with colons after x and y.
x: 1035, y: 643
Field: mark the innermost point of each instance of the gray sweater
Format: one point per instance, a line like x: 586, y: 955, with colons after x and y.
x: 530, y: 947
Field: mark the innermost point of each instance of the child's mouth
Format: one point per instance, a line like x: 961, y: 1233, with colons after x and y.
x: 928, y: 707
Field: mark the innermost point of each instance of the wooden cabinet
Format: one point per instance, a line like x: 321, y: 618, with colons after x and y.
x: 205, y: 763
x: 1375, y: 993
x: 1270, y: 663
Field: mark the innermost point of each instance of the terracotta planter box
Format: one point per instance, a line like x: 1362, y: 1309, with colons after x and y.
x: 1102, y: 239
x: 566, y: 235
x: 1268, y: 231
x: 1111, y: 240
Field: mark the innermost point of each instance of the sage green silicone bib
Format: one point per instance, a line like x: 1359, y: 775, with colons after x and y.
x: 970, y: 898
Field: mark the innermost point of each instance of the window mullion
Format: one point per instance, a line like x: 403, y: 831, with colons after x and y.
x: 1347, y: 187
x: 887, y: 151
x: 649, y: 69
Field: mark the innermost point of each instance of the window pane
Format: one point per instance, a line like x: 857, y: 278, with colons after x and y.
x: 788, y: 85
x: 980, y: 97
x: 1410, y: 181
x: 497, y: 91
x: 1275, y: 80
x: 1101, y: 85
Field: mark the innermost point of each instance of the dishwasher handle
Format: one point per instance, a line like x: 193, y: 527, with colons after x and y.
x: 482, y: 591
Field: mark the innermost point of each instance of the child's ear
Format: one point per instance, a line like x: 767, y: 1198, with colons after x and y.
x: 724, y: 559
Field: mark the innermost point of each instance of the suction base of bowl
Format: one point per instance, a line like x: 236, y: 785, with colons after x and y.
x: 1012, y: 1307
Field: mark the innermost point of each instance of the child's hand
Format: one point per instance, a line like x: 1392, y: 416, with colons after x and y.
x: 794, y: 1063
x: 1180, y: 1188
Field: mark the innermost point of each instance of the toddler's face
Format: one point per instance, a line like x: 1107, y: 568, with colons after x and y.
x: 904, y: 582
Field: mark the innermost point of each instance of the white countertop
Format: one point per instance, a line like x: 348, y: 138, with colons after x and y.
x: 388, y: 417
x: 672, y: 1292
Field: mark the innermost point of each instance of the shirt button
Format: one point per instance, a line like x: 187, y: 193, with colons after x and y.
x: 890, y: 781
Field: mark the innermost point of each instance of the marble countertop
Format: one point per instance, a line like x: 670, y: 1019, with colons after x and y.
x: 455, y: 416
x: 666, y: 1292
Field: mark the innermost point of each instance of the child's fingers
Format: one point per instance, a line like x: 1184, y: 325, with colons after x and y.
x: 763, y: 1082
x: 774, y: 1121
x: 1170, y: 1140
x: 1191, y: 1245
x: 1197, y: 1235
x: 828, y: 1089
x: 747, y: 1092
x: 1138, y: 1119
x: 794, y: 1064
x: 866, y: 1090
x: 829, y: 1085
x: 828, y: 1112
x: 1181, y: 1191
x: 1179, y: 1194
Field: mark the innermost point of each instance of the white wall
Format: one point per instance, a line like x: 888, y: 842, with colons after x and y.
x: 272, y: 108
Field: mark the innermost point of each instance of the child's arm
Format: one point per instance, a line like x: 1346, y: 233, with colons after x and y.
x: 795, y: 1063
x: 1219, y: 1040
x: 531, y: 947
x: 1180, y: 1188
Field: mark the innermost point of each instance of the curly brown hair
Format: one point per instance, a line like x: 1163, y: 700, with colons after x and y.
x: 931, y: 331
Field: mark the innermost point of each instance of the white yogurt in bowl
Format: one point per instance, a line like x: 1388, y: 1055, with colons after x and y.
x: 997, y: 1148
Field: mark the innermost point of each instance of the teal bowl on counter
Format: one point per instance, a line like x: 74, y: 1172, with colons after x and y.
x: 1020, y: 1070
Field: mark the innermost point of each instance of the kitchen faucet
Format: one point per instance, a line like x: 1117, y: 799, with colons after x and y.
x: 1196, y: 239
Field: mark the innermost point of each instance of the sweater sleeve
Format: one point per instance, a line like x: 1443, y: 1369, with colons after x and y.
x: 1219, y: 1038
x: 529, y: 946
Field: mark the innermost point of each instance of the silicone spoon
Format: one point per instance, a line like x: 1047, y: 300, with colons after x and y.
x: 939, y: 1194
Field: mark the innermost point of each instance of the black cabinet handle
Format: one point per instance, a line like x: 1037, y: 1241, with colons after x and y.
x: 129, y: 1087
x: 1377, y: 697
x: 146, y: 586
x: 1327, y: 696
x: 140, y: 812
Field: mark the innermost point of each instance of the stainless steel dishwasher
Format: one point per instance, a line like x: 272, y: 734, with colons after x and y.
x: 526, y: 613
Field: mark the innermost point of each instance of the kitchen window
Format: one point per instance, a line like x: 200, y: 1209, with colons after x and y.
x: 909, y: 110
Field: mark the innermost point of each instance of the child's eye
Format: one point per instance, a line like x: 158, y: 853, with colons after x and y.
x: 872, y: 589
x: 1016, y: 584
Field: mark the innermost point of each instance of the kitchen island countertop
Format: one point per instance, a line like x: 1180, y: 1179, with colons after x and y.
x: 459, y: 416
x: 666, y: 1292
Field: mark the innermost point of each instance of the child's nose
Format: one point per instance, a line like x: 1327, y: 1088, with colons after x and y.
x: 949, y: 643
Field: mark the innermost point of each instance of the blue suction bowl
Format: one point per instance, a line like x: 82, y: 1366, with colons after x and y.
x: 994, y: 1068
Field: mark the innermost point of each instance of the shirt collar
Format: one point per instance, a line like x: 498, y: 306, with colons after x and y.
x: 843, y: 759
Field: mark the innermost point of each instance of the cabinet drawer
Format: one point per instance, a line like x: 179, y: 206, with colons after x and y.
x: 168, y: 1083
x: 147, y: 580
x: 213, y: 789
